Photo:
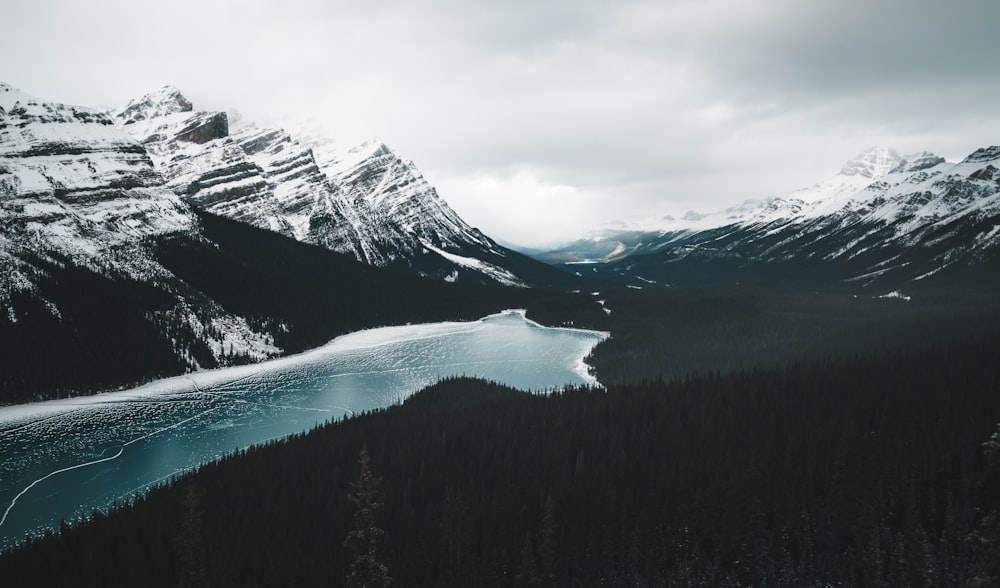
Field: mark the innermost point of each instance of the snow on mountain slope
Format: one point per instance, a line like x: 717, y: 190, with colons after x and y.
x: 255, y: 175
x: 75, y: 190
x: 497, y: 273
x: 811, y: 202
x: 920, y: 207
x: 73, y: 185
x: 366, y: 201
x: 397, y: 208
x: 883, y: 215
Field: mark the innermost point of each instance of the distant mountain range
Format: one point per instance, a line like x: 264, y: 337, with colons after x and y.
x: 884, y: 221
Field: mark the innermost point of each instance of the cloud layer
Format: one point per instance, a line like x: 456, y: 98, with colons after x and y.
x: 540, y: 120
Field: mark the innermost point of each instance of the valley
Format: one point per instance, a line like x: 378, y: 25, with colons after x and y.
x: 800, y: 390
x: 65, y: 459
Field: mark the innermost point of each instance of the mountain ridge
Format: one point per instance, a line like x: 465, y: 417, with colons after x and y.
x: 109, y: 264
x: 884, y: 221
x: 366, y: 201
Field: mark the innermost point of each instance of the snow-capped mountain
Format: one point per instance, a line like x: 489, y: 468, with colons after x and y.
x: 78, y: 192
x: 74, y: 187
x: 883, y: 218
x: 365, y: 201
x: 112, y: 271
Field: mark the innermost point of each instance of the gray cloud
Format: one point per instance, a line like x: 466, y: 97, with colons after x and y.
x: 590, y: 110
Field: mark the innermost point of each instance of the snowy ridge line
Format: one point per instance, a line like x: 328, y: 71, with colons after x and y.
x: 366, y: 201
x: 358, y: 340
x: 879, y: 199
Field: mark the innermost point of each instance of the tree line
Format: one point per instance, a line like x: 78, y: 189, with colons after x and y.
x: 112, y: 332
x: 875, y: 470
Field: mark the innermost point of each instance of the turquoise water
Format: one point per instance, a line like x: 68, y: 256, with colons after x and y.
x: 64, y: 459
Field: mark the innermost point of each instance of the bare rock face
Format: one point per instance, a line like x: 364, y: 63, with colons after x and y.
x: 215, y: 127
x: 166, y: 100
x: 74, y: 185
x: 365, y: 201
x: 251, y: 174
x: 78, y: 191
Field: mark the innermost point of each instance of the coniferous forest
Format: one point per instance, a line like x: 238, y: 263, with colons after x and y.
x: 102, y: 337
x: 871, y: 470
x: 748, y: 436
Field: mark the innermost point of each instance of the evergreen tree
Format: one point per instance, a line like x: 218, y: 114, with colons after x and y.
x: 527, y: 574
x: 549, y: 548
x: 986, y: 539
x: 365, y: 570
x: 190, y: 544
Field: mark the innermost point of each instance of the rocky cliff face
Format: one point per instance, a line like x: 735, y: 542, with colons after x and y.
x: 397, y: 211
x: 364, y: 201
x: 78, y: 192
x: 75, y: 187
x: 259, y: 176
x: 110, y: 276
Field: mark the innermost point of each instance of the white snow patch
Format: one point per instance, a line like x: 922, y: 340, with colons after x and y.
x: 896, y: 294
x: 988, y: 237
x: 933, y: 271
x: 497, y: 273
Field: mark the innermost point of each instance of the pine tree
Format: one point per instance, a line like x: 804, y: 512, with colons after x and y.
x: 189, y: 542
x: 527, y: 574
x: 986, y: 538
x: 365, y: 569
x: 549, y: 552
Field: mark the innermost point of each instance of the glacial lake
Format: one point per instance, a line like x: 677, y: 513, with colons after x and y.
x: 67, y: 458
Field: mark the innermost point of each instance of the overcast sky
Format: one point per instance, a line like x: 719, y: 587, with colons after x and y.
x: 538, y: 120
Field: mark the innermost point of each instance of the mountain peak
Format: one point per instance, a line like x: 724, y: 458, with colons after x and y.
x: 916, y: 162
x: 872, y: 163
x: 166, y: 100
x: 372, y: 147
x: 9, y: 96
x: 983, y: 155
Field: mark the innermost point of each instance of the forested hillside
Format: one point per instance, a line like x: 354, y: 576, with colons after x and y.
x: 671, y: 333
x: 111, y: 333
x: 860, y: 471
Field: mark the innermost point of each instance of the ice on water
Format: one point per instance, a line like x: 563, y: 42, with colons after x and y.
x: 66, y: 458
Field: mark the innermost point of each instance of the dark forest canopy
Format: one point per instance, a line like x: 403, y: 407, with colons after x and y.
x: 863, y: 471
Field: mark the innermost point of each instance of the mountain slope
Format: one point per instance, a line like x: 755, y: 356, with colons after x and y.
x: 83, y: 210
x: 73, y: 187
x: 109, y: 278
x: 885, y: 221
x: 367, y: 201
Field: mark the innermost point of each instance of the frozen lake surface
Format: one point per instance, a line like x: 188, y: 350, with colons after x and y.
x: 66, y: 458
